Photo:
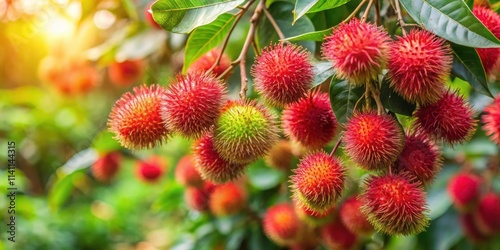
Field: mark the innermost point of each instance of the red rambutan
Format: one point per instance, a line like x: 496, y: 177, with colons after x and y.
x: 205, y: 62
x: 281, y: 224
x: 151, y: 170
x: 106, y: 166
x: 464, y: 190
x: 148, y: 16
x: 280, y: 155
x: 488, y: 213
x: 312, y: 217
x: 470, y: 229
x: 336, y: 236
x: 126, y: 73
x: 186, y: 173
x: 352, y: 217
x: 491, y: 120
x: 490, y: 19
x: 197, y: 198
x: 227, y: 199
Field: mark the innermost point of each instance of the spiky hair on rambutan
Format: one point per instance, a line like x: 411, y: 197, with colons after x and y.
x: 136, y: 120
x: 335, y: 235
x: 464, y: 189
x: 311, y: 217
x: 395, y: 205
x: 186, y: 172
x: 450, y: 119
x: 318, y: 181
x: 418, y: 66
x: 352, y: 217
x: 282, y: 73
x: 373, y: 141
x: 490, y: 19
x: 207, y: 61
x: 193, y: 103
x: 281, y: 224
x: 310, y: 121
x: 358, y: 51
x: 487, y: 214
x: 211, y: 165
x: 491, y: 120
x: 198, y: 198
x: 106, y: 167
x: 227, y: 199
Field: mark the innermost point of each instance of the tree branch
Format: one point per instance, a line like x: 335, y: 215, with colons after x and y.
x: 275, y: 25
x: 353, y: 14
x: 400, y: 17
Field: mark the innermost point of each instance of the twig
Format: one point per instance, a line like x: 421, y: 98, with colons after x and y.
x: 367, y: 11
x: 336, y: 147
x: 275, y: 25
x: 400, y: 17
x: 376, y: 96
x: 377, y: 12
x: 355, y: 11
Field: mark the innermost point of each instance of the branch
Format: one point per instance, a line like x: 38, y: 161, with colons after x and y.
x: 355, y: 11
x: 336, y: 147
x: 400, y: 17
x: 275, y: 25
x: 367, y: 11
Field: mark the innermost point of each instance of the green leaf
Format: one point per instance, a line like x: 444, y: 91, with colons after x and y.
x: 309, y: 6
x: 343, y: 97
x: 104, y: 142
x: 206, y: 37
x: 470, y: 3
x: 129, y: 7
x: 322, y: 71
x: 263, y: 177
x: 452, y: 20
x: 393, y: 101
x: 181, y: 16
x: 317, y: 36
x: 468, y: 67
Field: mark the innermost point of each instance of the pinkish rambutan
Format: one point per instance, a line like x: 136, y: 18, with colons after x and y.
x: 126, y: 73
x: 151, y: 169
x: 186, y: 172
x: 491, y: 120
x: 464, y: 190
x: 136, y: 120
x: 488, y: 213
x: 281, y: 224
x: 227, y: 199
x: 106, y: 166
x: 207, y: 61
x: 280, y: 155
x: 198, y: 198
x: 490, y: 19
x: 310, y: 121
x: 336, y: 236
x: 352, y: 217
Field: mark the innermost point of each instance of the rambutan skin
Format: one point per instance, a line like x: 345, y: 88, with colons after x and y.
x: 450, y: 119
x: 310, y: 121
x: 280, y: 155
x: 281, y: 224
x: 186, y: 172
x: 193, y: 104
x: 211, y: 165
x: 394, y: 205
x: 358, y: 51
x: 207, y: 61
x: 135, y: 118
x: 373, y: 141
x: 352, y: 217
x: 126, y: 73
x: 151, y: 169
x: 418, y: 66
x: 106, y: 167
x: 491, y: 120
x: 245, y: 131
x: 312, y: 217
x: 227, y: 199
x: 336, y: 236
x: 282, y: 73
x: 488, y: 211
x: 318, y: 181
x: 464, y: 190
x: 490, y: 19
x: 198, y: 198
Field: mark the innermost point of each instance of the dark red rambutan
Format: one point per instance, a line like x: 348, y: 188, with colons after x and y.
x: 106, y: 167
x: 151, y: 170
x: 464, y: 190
x: 281, y: 224
x: 136, y: 120
x: 198, y: 198
x: 186, y: 173
x: 336, y: 236
x: 488, y: 213
x: 207, y: 61
x: 352, y: 217
x: 491, y: 120
x: 470, y: 229
x: 227, y: 199
x: 126, y: 73
x: 280, y: 155
x: 490, y: 19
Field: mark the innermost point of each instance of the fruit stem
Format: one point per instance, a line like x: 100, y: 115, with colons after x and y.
x: 335, y: 147
x: 275, y: 25
x: 377, y: 13
x: 367, y: 11
x: 401, y: 23
x: 375, y: 93
x: 355, y: 11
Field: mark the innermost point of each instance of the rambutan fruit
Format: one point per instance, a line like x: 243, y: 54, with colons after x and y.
x: 464, y: 190
x: 198, y: 198
x: 126, y: 73
x: 418, y: 66
x: 136, y: 120
x: 470, y: 229
x: 373, y: 141
x: 282, y: 73
x: 394, y: 205
x: 420, y: 159
x: 318, y: 181
x: 281, y: 224
x: 280, y: 155
x: 310, y: 121
x: 245, y: 131
x: 312, y: 217
x: 491, y: 120
x: 186, y: 172
x: 148, y: 17
x: 490, y: 19
x: 358, y: 51
x: 450, y: 119
x: 211, y: 165
x: 227, y: 199
x: 151, y: 169
x: 106, y: 167
x: 351, y: 216
x: 488, y: 213
x: 335, y: 235
x: 193, y: 103
x: 207, y: 61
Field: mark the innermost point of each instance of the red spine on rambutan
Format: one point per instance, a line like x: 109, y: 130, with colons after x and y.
x: 358, y: 51
x: 310, y: 121
x: 450, y: 119
x: 282, y: 73
x: 136, y: 120
x: 488, y: 213
x: 227, y: 199
x: 352, y: 217
x: 186, y: 172
x: 198, y: 198
x: 418, y: 66
x: 151, y: 170
x: 464, y: 190
x: 126, y: 73
x: 373, y: 141
x: 312, y: 217
x: 490, y: 19
x: 207, y: 61
x: 491, y: 120
x: 106, y: 166
x: 193, y: 103
x: 336, y: 236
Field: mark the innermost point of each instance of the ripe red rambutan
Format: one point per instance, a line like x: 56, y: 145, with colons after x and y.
x: 358, y: 50
x: 151, y: 170
x: 312, y: 217
x: 193, y: 103
x: 227, y: 199
x: 281, y: 224
x: 211, y: 165
x: 490, y: 19
x: 420, y: 159
x: 352, y: 217
x: 197, y: 198
x: 394, y: 205
x: 464, y: 190
x: 373, y: 141
x: 126, y: 73
x: 280, y: 155
x: 318, y: 181
x: 106, y: 166
x: 310, y: 121
x: 148, y: 16
x: 136, y: 120
x: 282, y: 73
x: 336, y: 236
x: 488, y: 213
x: 418, y: 66
x: 470, y: 229
x: 450, y: 119
x: 186, y: 172
x: 205, y: 62
x: 491, y: 120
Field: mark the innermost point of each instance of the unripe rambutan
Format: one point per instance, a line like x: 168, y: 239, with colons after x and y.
x: 470, y: 229
x: 373, y: 141
x: 490, y: 19
x: 151, y: 170
x: 135, y: 118
x: 245, y: 131
x: 358, y: 50
x: 207, y: 61
x: 394, y: 205
x: 418, y: 66
x: 464, y: 190
x: 352, y: 217
x: 193, y: 103
x: 450, y: 119
x: 488, y: 213
x: 197, y: 198
x: 280, y: 155
x: 310, y: 121
x: 318, y: 181
x: 227, y: 199
x: 186, y: 173
x: 420, y: 159
x: 491, y: 120
x: 282, y: 73
x: 106, y: 166
x: 281, y: 224
x: 312, y: 217
x: 336, y: 236
x: 148, y: 16
x: 126, y: 73
x: 211, y: 165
